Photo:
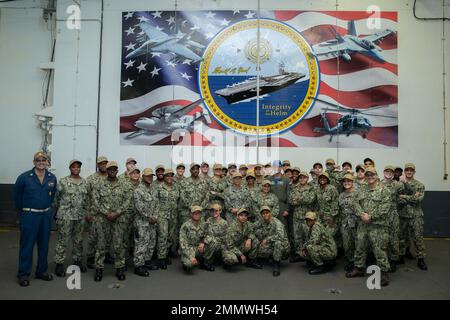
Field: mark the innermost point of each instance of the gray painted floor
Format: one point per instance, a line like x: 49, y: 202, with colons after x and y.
x: 294, y: 283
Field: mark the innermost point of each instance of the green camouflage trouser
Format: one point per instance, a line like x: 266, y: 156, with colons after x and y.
x: 377, y: 237
x: 318, y: 254
x: 348, y: 233
x: 117, y: 229
x: 394, y: 236
x: 162, y: 244
x: 229, y: 256
x: 300, y: 231
x: 412, y: 228
x: 210, y: 250
x: 144, y: 240
x: 173, y: 231
x: 69, y: 231
x: 277, y: 250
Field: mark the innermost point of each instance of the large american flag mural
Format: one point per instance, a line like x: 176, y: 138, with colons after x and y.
x: 327, y: 78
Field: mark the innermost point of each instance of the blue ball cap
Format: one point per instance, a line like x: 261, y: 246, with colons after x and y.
x: 277, y: 163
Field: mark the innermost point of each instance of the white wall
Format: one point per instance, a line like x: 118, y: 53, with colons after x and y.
x: 420, y: 88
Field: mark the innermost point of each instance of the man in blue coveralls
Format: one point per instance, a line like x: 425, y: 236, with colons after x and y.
x: 34, y: 192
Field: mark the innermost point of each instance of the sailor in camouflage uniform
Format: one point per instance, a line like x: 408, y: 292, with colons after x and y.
x: 111, y: 200
x: 193, y: 192
x: 266, y: 198
x: 259, y: 176
x: 167, y: 197
x: 302, y: 198
x: 72, y: 204
x: 360, y: 181
x: 327, y: 204
x: 130, y: 165
x: 331, y: 169
x: 204, y: 171
x: 272, y: 239
x: 319, y: 249
x: 144, y: 224
x: 411, y: 217
x: 254, y: 191
x: 93, y: 180
x: 395, y: 188
x: 216, y: 230
x: 316, y: 171
x: 216, y: 186
x: 194, y: 247
x: 241, y: 244
x: 133, y: 181
x: 179, y: 176
x: 236, y: 197
x: 372, y: 206
x: 159, y: 171
x: 349, y: 219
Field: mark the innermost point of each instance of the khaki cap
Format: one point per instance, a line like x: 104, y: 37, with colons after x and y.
x: 131, y: 160
x: 74, y: 161
x: 196, y: 208
x: 180, y: 165
x: 348, y: 176
x: 371, y: 169
x: 235, y: 175
x: 331, y: 161
x: 296, y: 169
x: 40, y: 154
x: 266, y: 182
x: 264, y: 208
x: 410, y: 166
x: 389, y: 168
x: 359, y: 167
x: 217, y: 166
x: 102, y: 159
x: 136, y: 169
x: 242, y: 211
x: 168, y: 171
x: 216, y: 206
x: 258, y: 166
x: 147, y: 172
x: 324, y: 174
x: 159, y: 166
x: 250, y: 175
x: 111, y: 164
x: 310, y: 215
x: 193, y: 164
x: 304, y: 173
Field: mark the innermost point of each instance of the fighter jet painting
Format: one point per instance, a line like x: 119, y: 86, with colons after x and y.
x: 345, y: 46
x: 157, y: 41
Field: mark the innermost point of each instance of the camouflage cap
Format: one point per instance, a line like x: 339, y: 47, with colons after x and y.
x: 131, y: 160
x: 168, y: 171
x: 266, y: 182
x: 264, y: 208
x: 347, y: 162
x: 217, y: 166
x: 243, y: 166
x: 371, y: 169
x: 304, y: 173
x: 159, y: 166
x: 242, y: 211
x: 216, y: 206
x: 398, y: 168
x: 102, y: 159
x: 368, y: 159
x: 205, y: 164
x: 348, y: 176
x: 40, y: 154
x: 288, y: 169
x: 389, y: 167
x: 111, y: 164
x: 196, y: 208
x: 74, y: 161
x: 236, y: 175
x: 410, y: 166
x: 296, y: 169
x: 147, y: 172
x: 180, y: 165
x: 250, y: 175
x: 325, y: 174
x: 231, y: 165
x: 310, y: 215
x: 330, y: 161
x: 193, y: 164
x: 258, y: 165
x: 136, y: 169
x: 360, y: 167
x: 286, y: 163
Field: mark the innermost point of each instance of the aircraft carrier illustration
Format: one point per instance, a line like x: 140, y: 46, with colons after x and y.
x: 247, y: 89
